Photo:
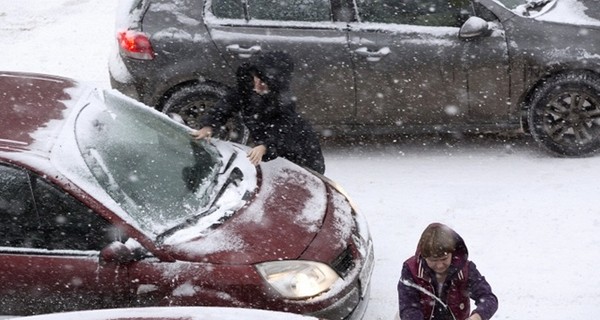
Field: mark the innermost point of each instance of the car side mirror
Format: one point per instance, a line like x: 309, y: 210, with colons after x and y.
x: 116, y: 252
x: 474, y: 27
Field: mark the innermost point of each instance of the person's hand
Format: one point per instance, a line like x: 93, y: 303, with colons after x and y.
x: 474, y: 316
x: 255, y: 154
x: 204, y: 133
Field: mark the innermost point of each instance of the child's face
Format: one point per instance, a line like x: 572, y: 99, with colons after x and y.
x: 439, y: 265
x: 260, y: 87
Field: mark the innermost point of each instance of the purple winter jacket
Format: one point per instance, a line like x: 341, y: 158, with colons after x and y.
x: 463, y: 282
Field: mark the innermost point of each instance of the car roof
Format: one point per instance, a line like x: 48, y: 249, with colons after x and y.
x: 34, y: 107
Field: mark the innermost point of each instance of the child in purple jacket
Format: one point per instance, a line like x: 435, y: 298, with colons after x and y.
x: 438, y: 281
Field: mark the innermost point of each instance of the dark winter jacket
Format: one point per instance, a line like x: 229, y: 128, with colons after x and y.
x: 463, y: 282
x: 271, y: 118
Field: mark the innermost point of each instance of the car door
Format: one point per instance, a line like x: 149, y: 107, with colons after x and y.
x: 412, y: 70
x: 49, y: 250
x: 323, y: 79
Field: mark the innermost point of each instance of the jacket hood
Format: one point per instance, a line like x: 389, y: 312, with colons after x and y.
x: 273, y: 68
x: 461, y: 253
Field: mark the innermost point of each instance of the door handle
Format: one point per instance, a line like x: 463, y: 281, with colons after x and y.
x: 373, y: 56
x: 243, y: 52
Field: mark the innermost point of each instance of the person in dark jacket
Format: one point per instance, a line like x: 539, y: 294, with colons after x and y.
x: 268, y: 109
x: 438, y: 281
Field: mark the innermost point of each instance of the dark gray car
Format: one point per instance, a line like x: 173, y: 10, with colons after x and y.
x: 380, y: 66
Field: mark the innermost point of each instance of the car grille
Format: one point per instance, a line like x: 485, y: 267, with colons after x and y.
x: 344, y: 263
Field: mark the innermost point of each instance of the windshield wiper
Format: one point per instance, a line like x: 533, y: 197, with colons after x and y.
x: 188, y: 222
x: 532, y: 5
x: 235, y: 176
x: 193, y: 176
x: 230, y: 161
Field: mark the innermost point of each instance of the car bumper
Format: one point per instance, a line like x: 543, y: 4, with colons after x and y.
x: 127, y: 89
x: 353, y: 301
x: 122, y: 80
x: 357, y: 299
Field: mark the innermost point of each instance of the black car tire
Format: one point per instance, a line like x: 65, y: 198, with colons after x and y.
x: 564, y: 117
x: 188, y: 103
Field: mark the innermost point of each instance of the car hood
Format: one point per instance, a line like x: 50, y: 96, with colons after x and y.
x: 278, y: 221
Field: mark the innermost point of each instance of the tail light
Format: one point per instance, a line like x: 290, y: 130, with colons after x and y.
x: 135, y: 44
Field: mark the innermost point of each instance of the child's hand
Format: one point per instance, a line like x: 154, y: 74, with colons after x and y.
x: 474, y: 316
x: 255, y: 154
x: 204, y: 133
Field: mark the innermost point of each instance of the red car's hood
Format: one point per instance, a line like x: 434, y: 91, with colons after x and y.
x: 278, y: 222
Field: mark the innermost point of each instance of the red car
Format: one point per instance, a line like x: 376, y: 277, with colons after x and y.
x: 107, y: 203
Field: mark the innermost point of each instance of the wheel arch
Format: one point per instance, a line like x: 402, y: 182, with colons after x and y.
x: 527, y: 98
x: 187, y: 83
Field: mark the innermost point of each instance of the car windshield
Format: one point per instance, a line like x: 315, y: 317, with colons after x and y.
x: 146, y: 163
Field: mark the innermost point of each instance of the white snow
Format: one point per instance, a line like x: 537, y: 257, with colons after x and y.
x: 569, y: 11
x: 191, y: 313
x: 531, y: 221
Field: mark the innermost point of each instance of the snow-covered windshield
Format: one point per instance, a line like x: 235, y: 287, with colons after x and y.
x: 146, y: 163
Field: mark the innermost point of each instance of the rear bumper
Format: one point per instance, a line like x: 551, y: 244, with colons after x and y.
x: 127, y: 89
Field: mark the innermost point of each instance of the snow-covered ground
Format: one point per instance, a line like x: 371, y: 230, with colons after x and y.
x: 531, y: 221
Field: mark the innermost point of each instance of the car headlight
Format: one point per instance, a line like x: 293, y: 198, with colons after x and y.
x: 298, y: 279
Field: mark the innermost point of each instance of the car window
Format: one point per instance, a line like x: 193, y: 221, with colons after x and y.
x: 447, y: 13
x: 35, y: 214
x: 289, y: 10
x: 16, y: 209
x: 66, y: 223
x: 228, y: 9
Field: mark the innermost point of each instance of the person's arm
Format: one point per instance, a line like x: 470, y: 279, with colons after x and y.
x: 224, y: 109
x: 269, y: 131
x: 203, y: 133
x: 481, y: 292
x: 409, y: 299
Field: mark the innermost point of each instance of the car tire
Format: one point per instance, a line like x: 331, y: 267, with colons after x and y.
x: 188, y: 103
x: 564, y: 114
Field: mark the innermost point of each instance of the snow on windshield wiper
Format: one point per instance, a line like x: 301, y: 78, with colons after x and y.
x: 229, y: 162
x: 235, y: 176
x: 188, y: 222
x: 194, y: 175
x: 531, y: 5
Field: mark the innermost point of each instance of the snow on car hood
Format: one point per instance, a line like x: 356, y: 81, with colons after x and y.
x: 278, y: 222
x: 573, y: 12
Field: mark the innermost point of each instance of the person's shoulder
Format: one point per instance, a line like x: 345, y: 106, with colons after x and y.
x: 412, y: 262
